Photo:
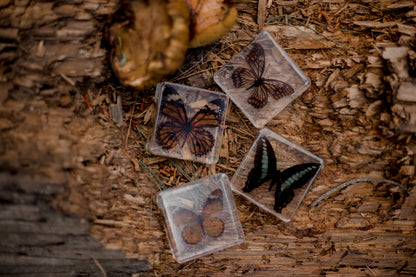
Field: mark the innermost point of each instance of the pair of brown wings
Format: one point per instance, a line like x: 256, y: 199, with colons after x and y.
x: 253, y: 78
x: 194, y: 225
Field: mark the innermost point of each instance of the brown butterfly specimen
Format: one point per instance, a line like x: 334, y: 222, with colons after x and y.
x: 195, y: 225
x: 179, y: 129
x: 252, y: 78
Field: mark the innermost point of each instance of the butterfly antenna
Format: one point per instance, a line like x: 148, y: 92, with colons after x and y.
x: 265, y: 71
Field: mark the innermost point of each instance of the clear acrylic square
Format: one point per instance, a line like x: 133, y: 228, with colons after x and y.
x: 189, y: 123
x: 262, y: 79
x: 201, y: 217
x: 294, y: 172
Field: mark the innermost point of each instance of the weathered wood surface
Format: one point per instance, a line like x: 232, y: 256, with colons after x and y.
x: 36, y: 240
x: 358, y: 116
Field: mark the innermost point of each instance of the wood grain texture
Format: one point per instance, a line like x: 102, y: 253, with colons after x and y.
x: 37, y: 240
x: 68, y: 172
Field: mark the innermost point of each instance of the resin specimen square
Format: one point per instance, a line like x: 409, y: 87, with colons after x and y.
x: 262, y: 79
x: 201, y: 217
x: 189, y: 123
x: 276, y: 174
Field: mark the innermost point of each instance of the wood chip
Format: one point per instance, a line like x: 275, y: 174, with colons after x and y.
x: 406, y: 29
x: 398, y: 60
x: 401, y: 5
x: 116, y: 111
x: 406, y: 117
x: 374, y: 24
x: 261, y: 10
x: 9, y: 33
x: 298, y: 38
x: 407, y: 91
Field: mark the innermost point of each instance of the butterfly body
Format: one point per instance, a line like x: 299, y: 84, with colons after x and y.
x: 257, y: 83
x: 195, y: 225
x: 179, y: 129
x: 286, y: 181
x: 253, y: 79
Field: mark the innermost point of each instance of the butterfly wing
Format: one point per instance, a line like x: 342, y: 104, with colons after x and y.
x: 277, y: 88
x: 178, y: 128
x: 217, y: 105
x: 243, y: 78
x: 174, y: 129
x: 200, y: 140
x: 256, y: 60
x: 264, y: 165
x: 170, y: 93
x: 213, y: 226
x: 258, y: 99
x: 246, y: 78
x: 174, y: 110
x: 190, y: 223
x: 253, y: 78
x: 291, y: 179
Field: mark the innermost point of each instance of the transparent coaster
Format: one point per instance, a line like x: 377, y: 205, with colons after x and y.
x: 201, y: 217
x: 262, y: 79
x: 189, y: 123
x: 276, y: 174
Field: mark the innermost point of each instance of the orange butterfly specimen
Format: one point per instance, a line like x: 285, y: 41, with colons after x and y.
x: 195, y: 226
x: 252, y: 78
x: 178, y: 129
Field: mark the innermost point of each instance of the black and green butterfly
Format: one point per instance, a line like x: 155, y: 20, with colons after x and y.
x: 286, y: 181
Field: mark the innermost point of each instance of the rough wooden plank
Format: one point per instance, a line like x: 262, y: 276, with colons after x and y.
x: 16, y: 265
x: 344, y: 117
x: 39, y: 241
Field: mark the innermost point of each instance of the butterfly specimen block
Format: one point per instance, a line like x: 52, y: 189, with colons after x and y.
x: 276, y: 174
x: 189, y: 123
x: 201, y: 217
x: 262, y: 79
